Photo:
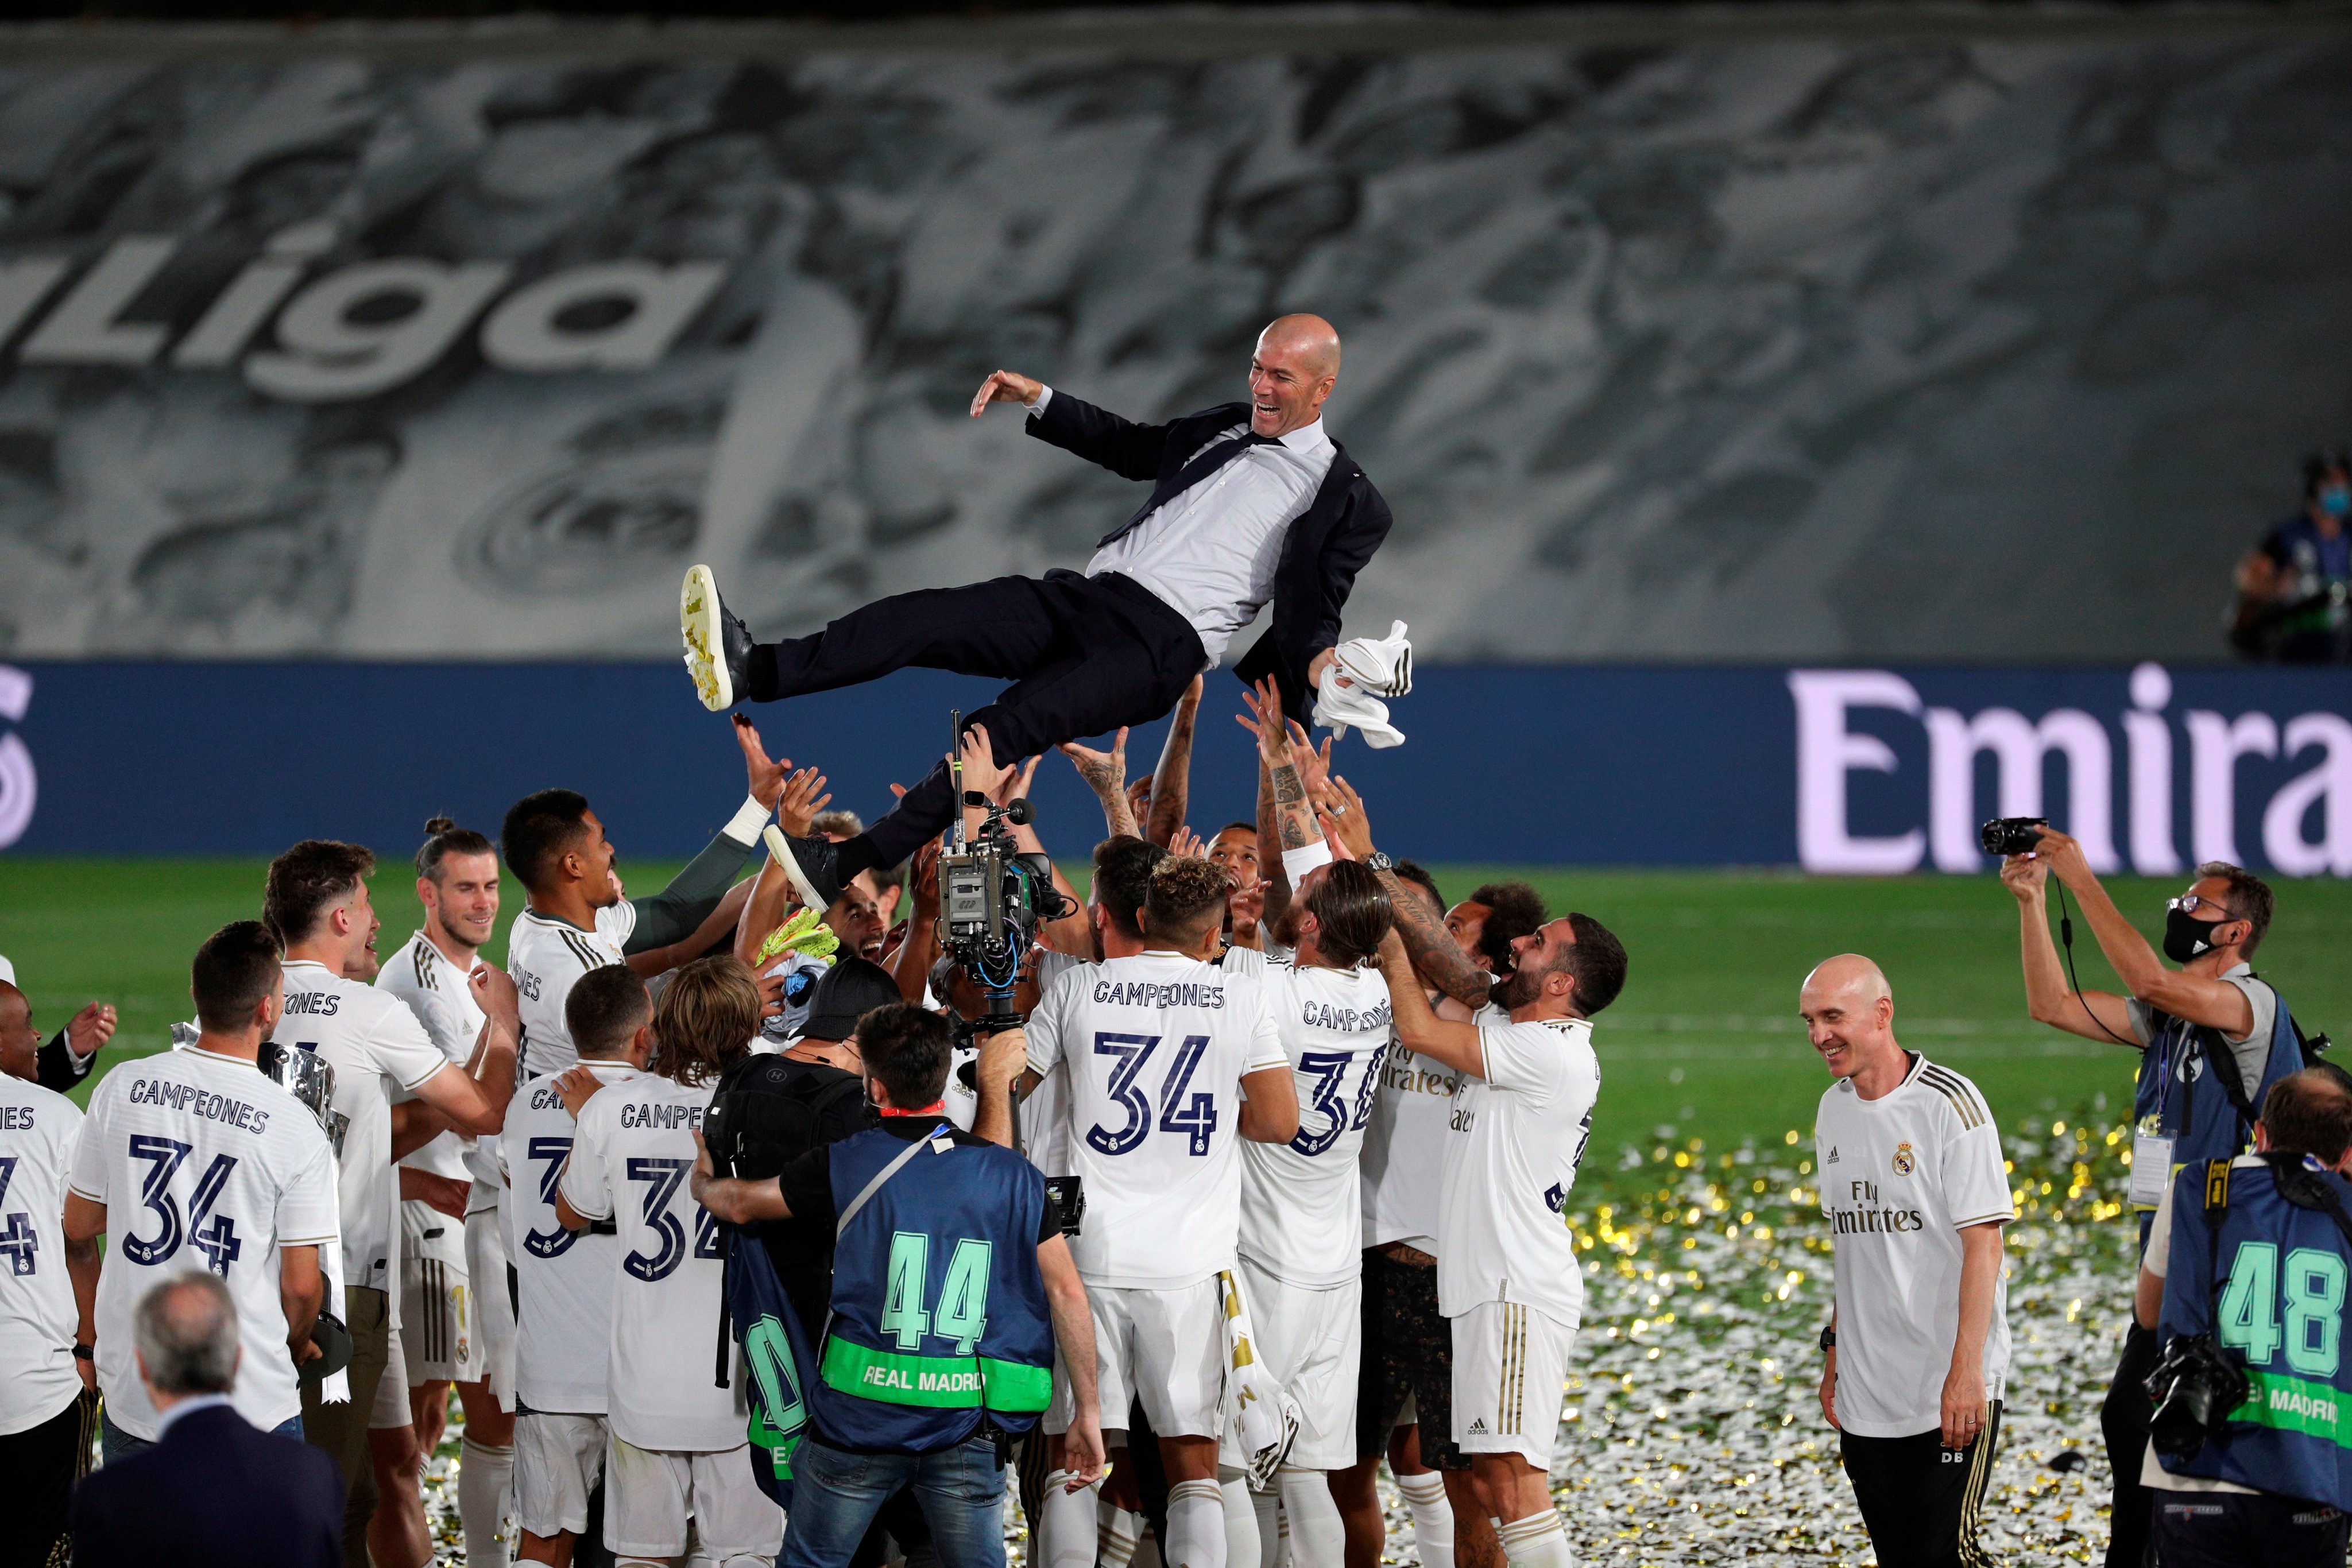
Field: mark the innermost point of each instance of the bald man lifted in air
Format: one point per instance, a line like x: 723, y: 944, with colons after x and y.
x: 1250, y: 502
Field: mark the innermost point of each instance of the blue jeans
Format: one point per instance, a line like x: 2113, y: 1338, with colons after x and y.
x: 835, y: 1496
x: 115, y: 1444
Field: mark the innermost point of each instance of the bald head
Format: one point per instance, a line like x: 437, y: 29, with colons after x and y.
x: 1849, y: 972
x: 1848, y: 1013
x: 1295, y: 364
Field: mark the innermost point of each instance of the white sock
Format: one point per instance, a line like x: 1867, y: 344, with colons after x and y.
x: 485, y: 1488
x: 1433, y: 1518
x: 1266, y: 1507
x: 1116, y: 1533
x: 1242, y: 1535
x: 1537, y: 1542
x: 1065, y: 1534
x: 1317, y: 1539
x: 1197, y: 1523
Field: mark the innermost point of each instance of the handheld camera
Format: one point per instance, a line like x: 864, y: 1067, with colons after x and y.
x: 992, y: 898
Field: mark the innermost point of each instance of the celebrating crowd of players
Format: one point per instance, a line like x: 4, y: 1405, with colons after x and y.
x: 1323, y: 1127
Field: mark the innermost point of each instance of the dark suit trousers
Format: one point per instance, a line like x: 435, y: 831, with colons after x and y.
x: 1085, y: 656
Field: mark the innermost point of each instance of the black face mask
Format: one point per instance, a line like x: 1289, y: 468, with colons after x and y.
x: 2186, y: 936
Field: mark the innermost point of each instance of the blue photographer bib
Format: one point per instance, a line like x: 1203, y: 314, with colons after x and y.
x: 939, y: 1314
x: 2270, y: 1285
x: 2179, y: 1101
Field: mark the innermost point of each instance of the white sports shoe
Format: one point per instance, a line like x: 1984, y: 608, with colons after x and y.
x: 711, y: 653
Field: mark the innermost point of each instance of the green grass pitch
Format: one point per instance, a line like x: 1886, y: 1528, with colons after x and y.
x: 1705, y: 1041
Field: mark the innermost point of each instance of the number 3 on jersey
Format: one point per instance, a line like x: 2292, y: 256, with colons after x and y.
x: 1197, y: 1120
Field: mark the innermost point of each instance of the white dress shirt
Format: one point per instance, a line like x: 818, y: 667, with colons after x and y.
x: 1209, y: 554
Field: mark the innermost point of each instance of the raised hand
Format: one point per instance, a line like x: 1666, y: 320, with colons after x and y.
x: 1105, y: 772
x: 1314, y: 763
x: 1138, y: 798
x: 980, y: 770
x: 1345, y: 819
x: 767, y: 777
x: 1015, y: 782
x: 1264, y: 721
x: 1006, y: 386
x: 494, y: 992
x: 1187, y: 842
x: 801, y: 801
x: 1248, y: 903
x: 90, y: 1028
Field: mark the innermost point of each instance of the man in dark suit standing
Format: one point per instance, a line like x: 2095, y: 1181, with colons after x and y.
x: 1250, y: 501
x: 213, y: 1492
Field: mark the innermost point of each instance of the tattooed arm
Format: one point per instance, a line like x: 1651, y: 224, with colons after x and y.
x: 1421, y: 924
x: 1294, y: 819
x: 1172, y: 782
x: 1106, y: 773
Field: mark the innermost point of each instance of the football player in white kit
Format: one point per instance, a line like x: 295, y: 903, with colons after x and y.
x: 192, y: 1159
x: 678, y: 1444
x: 49, y: 1400
x: 458, y: 1317
x: 1169, y: 1057
x: 1301, y: 1230
x: 1508, y: 1278
x: 316, y: 899
x: 575, y: 919
x: 564, y: 1278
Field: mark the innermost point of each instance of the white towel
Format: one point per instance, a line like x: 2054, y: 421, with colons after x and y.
x: 1362, y: 671
x: 1260, y: 1413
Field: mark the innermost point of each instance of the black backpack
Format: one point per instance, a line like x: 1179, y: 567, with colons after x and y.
x: 767, y: 1111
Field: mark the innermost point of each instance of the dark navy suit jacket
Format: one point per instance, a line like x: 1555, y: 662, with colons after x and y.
x: 1327, y: 547
x: 215, y: 1493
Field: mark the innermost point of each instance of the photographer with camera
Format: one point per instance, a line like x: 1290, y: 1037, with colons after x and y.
x: 924, y: 1384
x: 2244, y: 1279
x: 2213, y: 1040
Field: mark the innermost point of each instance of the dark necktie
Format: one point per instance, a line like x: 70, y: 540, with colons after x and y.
x: 1205, y: 463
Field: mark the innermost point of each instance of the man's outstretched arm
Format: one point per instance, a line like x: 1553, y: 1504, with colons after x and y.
x: 678, y: 910
x: 1130, y: 450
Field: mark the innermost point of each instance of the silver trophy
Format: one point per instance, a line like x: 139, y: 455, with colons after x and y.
x: 305, y: 1076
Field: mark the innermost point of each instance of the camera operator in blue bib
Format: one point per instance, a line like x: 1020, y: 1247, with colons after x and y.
x: 2252, y: 1461
x: 2212, y: 1041
x: 951, y: 1286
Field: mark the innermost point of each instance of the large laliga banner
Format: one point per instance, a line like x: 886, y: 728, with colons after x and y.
x: 1867, y: 349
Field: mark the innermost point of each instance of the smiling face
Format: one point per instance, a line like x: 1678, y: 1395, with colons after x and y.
x: 1295, y: 365
x: 464, y: 903
x: 1537, y: 970
x: 856, y: 919
x: 356, y: 921
x: 1236, y: 849
x: 594, y: 855
x: 1849, y: 1015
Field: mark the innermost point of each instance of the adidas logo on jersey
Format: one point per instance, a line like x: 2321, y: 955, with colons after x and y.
x: 1479, y: 1427
x: 1832, y: 1159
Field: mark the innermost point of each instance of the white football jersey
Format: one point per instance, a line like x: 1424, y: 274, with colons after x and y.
x: 630, y: 1164
x: 38, y: 1130
x: 563, y: 1278
x: 1404, y: 1149
x: 203, y: 1163
x: 1043, y: 1118
x: 1518, y: 1137
x: 1156, y: 1047
x: 1901, y: 1176
x: 547, y: 957
x: 379, y: 1052
x: 436, y: 991
x: 1301, y: 1213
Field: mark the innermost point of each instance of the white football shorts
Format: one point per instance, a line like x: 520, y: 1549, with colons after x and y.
x: 1510, y: 1368
x: 1312, y: 1340
x: 1164, y: 1348
x: 650, y: 1494
x: 436, y: 1297
x: 558, y: 1461
x: 493, y: 1304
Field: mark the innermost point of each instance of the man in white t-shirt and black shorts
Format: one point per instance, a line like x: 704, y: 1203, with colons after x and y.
x: 1916, y: 1192
x: 1508, y: 1277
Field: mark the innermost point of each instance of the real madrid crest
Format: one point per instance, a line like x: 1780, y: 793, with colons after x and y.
x: 1905, y: 1160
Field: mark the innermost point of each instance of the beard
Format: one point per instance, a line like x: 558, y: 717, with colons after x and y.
x: 1523, y: 987
x: 449, y: 929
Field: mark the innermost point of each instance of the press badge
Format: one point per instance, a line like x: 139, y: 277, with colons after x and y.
x: 2151, y: 1167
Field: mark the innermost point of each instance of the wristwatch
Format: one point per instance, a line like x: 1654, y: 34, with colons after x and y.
x: 84, y: 1353
x: 1380, y: 860
x: 1828, y: 1339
